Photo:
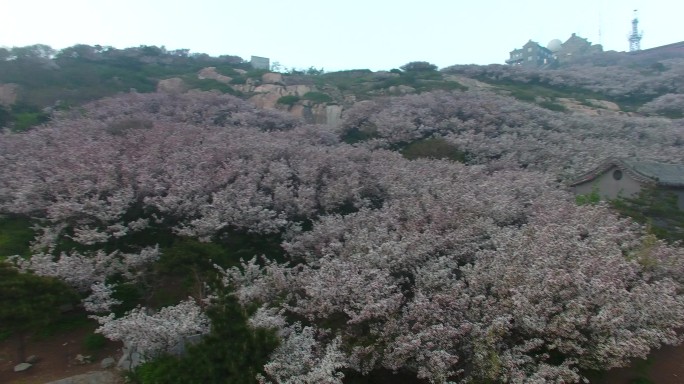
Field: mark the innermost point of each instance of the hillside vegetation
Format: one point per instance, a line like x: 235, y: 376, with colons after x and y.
x: 427, y: 237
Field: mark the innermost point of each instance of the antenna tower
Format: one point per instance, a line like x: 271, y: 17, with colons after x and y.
x: 635, y: 37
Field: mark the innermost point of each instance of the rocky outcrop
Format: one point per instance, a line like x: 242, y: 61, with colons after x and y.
x: 210, y: 73
x: 272, y: 78
x: 267, y: 95
x: 317, y: 113
x: 173, y: 85
x: 130, y: 358
x: 8, y: 94
x: 333, y: 115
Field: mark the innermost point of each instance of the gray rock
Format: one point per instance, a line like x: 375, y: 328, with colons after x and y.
x: 272, y: 78
x: 124, y: 365
x: 83, y: 359
x: 95, y: 377
x: 136, y: 359
x: 107, y: 363
x: 22, y: 367
x: 32, y: 359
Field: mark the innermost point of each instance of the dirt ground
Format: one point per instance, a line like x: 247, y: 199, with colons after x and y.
x: 664, y: 366
x: 56, y: 356
x: 56, y: 361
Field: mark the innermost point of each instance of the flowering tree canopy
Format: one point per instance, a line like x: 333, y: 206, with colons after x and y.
x: 487, y: 271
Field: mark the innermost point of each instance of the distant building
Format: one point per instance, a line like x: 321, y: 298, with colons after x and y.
x: 533, y: 55
x: 626, y: 178
x: 576, y: 46
x: 260, y: 63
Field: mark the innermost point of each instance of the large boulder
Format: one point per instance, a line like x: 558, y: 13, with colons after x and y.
x: 272, y: 78
x: 210, y: 73
x: 298, y: 90
x: 266, y: 100
x: 107, y: 363
x: 267, y: 95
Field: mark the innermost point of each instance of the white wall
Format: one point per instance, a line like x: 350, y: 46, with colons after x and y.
x: 610, y: 188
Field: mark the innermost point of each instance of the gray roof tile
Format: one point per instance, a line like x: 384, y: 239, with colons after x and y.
x: 662, y: 173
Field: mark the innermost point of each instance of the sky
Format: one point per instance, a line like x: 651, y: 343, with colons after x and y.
x: 340, y: 35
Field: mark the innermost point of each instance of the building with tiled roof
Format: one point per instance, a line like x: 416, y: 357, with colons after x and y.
x: 626, y: 178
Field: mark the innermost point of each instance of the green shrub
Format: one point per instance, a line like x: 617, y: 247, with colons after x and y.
x: 94, y: 342
x: 24, y: 121
x: 523, y: 95
x: 419, y: 66
x: 30, y: 303
x: 435, y: 148
x: 129, y: 294
x: 239, y: 80
x: 187, y: 254
x: 657, y: 209
x: 553, y: 106
x: 208, y: 85
x: 317, y: 97
x: 232, y: 353
x: 591, y: 198
x: 288, y: 100
x: 356, y: 135
x: 15, y: 236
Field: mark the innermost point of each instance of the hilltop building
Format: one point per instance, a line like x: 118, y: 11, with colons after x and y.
x: 627, y: 177
x: 260, y: 63
x: 576, y: 46
x: 533, y: 55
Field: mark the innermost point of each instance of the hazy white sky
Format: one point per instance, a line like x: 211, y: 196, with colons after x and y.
x: 349, y: 34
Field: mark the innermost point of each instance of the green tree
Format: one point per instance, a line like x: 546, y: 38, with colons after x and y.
x: 433, y: 148
x: 232, y: 353
x: 28, y: 303
x: 317, y: 97
x: 32, y: 52
x: 5, y: 117
x: 288, y: 100
x: 418, y: 66
x: 4, y: 54
x: 657, y: 209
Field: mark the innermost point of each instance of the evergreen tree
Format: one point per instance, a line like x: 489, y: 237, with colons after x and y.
x: 232, y: 353
x: 28, y: 303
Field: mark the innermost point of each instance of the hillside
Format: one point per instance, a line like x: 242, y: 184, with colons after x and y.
x: 413, y: 225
